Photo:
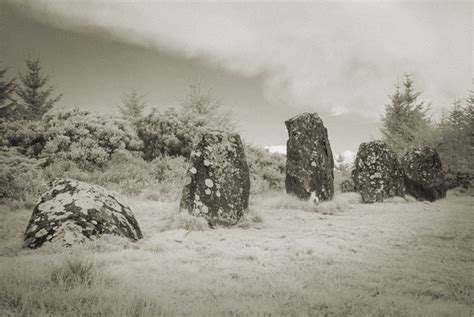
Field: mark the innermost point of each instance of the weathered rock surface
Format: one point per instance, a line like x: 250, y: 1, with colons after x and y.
x: 463, y: 180
x: 347, y: 186
x: 218, y: 180
x: 377, y: 174
x: 424, y: 176
x: 310, y: 164
x: 72, y: 212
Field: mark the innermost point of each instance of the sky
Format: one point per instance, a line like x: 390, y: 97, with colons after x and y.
x: 265, y: 61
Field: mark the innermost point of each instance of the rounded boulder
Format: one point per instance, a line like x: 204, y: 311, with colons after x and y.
x: 71, y: 212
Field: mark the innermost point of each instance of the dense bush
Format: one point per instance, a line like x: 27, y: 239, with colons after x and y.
x: 267, y: 170
x: 20, y: 177
x: 28, y: 136
x: 159, y: 179
x: 166, y: 134
x: 89, y: 140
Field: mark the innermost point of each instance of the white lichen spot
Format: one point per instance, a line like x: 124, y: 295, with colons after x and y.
x: 41, y: 233
x: 196, y: 153
x: 218, y: 193
x: 207, y: 191
x: 196, y: 197
x: 193, y: 170
x: 207, y: 163
x: 33, y: 228
x: 205, y: 209
x: 188, y: 180
x: 209, y: 183
x: 314, y: 198
x: 313, y: 164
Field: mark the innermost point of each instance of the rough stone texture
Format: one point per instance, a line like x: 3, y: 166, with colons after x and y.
x: 71, y: 212
x: 310, y: 164
x: 347, y: 186
x: 424, y: 176
x: 377, y: 174
x: 463, y: 180
x: 218, y: 180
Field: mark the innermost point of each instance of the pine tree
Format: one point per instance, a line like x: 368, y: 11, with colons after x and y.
x: 406, y: 123
x: 7, y: 103
x: 133, y: 105
x: 456, y: 147
x: 34, y: 91
x: 205, y: 110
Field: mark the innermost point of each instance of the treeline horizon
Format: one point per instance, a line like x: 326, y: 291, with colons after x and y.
x: 91, y: 141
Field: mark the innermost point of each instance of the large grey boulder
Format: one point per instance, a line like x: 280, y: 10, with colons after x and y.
x: 218, y: 180
x: 72, y: 212
x: 377, y: 174
x: 310, y: 164
x: 424, y: 176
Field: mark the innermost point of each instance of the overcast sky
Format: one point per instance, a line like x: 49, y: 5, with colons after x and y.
x: 265, y: 61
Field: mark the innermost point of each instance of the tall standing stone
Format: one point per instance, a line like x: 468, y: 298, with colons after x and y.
x: 72, y: 212
x: 218, y: 180
x: 424, y: 176
x: 310, y: 164
x: 377, y: 174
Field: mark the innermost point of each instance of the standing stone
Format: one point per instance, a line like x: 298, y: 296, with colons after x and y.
x: 309, y: 160
x: 377, y: 174
x: 218, y: 180
x: 424, y: 176
x: 72, y: 212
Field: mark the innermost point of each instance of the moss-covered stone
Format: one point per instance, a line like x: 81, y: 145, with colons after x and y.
x: 377, y: 174
x: 71, y: 212
x: 310, y: 164
x: 424, y: 176
x: 218, y: 181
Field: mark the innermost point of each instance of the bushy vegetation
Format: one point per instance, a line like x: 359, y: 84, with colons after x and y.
x: 267, y: 170
x: 135, y: 153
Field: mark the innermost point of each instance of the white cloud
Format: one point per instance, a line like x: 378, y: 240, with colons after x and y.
x: 335, y: 57
x: 276, y: 149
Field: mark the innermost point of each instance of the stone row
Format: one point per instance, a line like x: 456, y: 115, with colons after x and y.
x: 217, y: 184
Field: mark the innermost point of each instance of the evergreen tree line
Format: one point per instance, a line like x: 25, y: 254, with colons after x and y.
x: 407, y: 124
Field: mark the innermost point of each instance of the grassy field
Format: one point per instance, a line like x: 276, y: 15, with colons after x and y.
x: 398, y: 258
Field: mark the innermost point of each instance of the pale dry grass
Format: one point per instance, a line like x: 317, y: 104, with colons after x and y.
x: 399, y: 258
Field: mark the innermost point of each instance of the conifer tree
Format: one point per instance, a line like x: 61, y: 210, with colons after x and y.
x: 35, y: 95
x: 7, y: 88
x: 406, y: 123
x: 132, y: 105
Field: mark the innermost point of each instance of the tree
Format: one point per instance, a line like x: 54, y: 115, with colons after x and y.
x: 7, y: 88
x: 34, y: 92
x: 133, y: 105
x: 456, y: 146
x: 205, y: 109
x: 406, y: 123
